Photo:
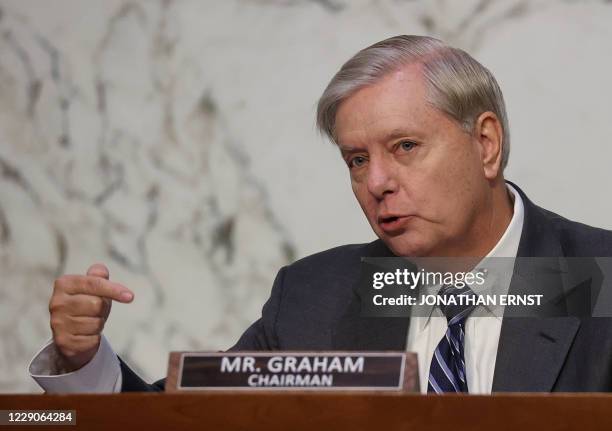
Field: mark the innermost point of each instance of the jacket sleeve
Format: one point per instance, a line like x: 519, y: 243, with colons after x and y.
x: 261, y: 335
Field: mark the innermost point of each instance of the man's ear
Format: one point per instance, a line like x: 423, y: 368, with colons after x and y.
x: 489, y: 136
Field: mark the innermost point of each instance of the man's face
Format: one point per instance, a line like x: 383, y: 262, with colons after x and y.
x: 416, y: 173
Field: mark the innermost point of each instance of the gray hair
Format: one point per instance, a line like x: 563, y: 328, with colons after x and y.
x: 457, y: 84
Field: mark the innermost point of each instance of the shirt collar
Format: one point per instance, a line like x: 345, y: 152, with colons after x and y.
x: 507, y: 246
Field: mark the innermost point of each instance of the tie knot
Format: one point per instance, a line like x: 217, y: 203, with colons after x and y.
x: 458, y: 303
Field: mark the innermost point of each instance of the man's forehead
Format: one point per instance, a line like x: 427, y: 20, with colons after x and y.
x: 407, y: 81
x: 392, y: 107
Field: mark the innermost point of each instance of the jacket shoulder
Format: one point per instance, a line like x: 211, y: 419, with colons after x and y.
x: 579, y: 239
x: 341, y: 257
x: 348, y: 252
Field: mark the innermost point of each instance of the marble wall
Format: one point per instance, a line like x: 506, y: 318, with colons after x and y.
x: 175, y: 141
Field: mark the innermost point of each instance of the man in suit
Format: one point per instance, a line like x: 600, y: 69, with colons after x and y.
x: 423, y: 130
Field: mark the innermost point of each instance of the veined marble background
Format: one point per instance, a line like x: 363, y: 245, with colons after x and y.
x: 175, y: 142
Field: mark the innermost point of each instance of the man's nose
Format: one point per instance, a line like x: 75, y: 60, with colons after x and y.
x: 381, y: 178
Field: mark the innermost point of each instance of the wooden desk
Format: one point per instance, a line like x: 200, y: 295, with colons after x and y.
x: 321, y: 411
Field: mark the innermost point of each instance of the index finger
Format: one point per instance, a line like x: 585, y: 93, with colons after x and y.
x: 97, y: 286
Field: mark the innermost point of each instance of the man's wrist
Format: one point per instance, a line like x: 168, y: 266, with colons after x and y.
x: 102, y: 374
x: 66, y: 365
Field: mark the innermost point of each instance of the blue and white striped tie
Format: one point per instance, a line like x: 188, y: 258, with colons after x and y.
x: 447, y: 370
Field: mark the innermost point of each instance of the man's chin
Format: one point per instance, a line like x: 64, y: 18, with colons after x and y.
x: 407, y: 248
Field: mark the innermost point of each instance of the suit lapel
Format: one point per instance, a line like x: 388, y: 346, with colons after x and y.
x: 532, y: 350
x: 531, y: 353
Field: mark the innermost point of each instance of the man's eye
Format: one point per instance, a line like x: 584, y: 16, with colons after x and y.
x: 407, y: 145
x: 357, y: 162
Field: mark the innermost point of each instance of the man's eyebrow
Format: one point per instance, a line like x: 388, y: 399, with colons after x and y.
x: 392, y: 135
x: 396, y: 133
x: 348, y: 149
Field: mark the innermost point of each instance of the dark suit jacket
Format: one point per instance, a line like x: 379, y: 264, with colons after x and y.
x: 313, y: 306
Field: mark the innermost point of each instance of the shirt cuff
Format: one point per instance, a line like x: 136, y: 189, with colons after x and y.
x: 100, y: 375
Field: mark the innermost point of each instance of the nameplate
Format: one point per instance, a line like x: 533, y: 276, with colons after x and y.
x: 322, y: 371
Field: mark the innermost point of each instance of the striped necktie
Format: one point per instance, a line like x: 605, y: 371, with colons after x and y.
x: 447, y: 370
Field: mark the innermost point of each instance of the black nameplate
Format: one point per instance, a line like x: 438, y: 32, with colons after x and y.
x: 296, y: 370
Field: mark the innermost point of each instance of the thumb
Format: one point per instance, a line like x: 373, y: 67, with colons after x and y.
x: 98, y: 270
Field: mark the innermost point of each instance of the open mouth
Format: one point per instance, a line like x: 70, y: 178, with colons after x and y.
x: 391, y: 224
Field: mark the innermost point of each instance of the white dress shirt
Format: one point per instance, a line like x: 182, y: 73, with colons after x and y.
x: 103, y: 374
x: 481, y: 333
